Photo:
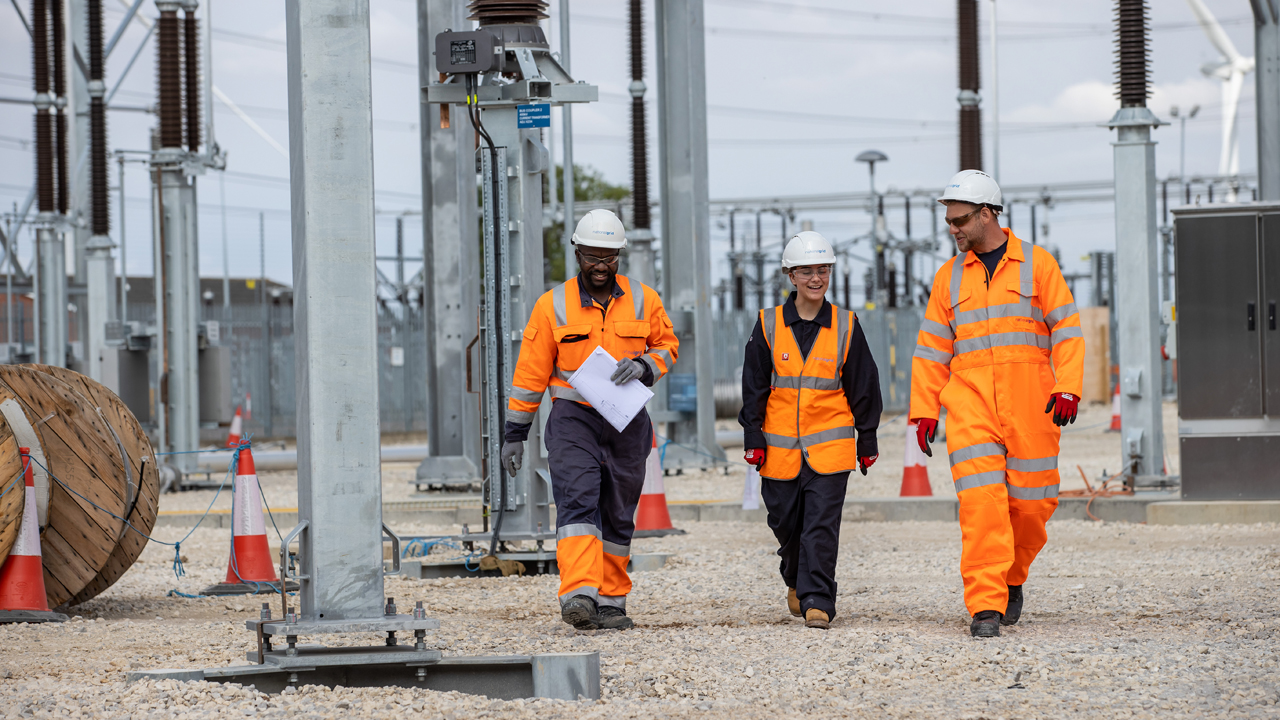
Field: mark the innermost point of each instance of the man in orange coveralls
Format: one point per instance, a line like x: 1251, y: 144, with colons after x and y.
x: 1001, y: 336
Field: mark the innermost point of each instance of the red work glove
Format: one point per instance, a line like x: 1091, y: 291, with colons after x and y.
x: 754, y: 456
x: 1064, y: 407
x: 926, y: 429
x: 865, y: 462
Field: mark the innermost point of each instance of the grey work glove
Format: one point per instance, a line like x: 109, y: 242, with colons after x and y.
x: 512, y: 456
x: 627, y: 371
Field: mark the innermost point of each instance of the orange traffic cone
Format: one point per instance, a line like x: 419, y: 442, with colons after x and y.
x: 250, y: 569
x: 22, y: 594
x: 652, y: 518
x: 915, y: 469
x: 1115, y: 410
x: 237, y: 427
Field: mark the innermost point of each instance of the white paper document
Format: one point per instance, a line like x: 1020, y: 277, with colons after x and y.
x: 619, y: 404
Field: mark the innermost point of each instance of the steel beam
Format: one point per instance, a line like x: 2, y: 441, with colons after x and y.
x: 178, y: 293
x: 451, y: 275
x: 335, y: 317
x: 1138, y: 294
x: 1267, y: 52
x: 686, y: 222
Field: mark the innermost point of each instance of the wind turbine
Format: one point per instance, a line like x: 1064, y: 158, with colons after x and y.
x: 1231, y: 71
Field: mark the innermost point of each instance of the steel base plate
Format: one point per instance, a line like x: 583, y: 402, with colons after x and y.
x: 30, y: 616
x: 261, y: 588
x: 657, y: 533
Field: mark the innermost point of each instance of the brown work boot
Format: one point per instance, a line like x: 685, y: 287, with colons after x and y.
x: 793, y: 603
x: 815, y: 618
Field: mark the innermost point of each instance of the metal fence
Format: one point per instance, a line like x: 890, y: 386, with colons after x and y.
x: 263, y: 373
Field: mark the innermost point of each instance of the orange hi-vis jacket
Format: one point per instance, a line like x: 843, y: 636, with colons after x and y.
x: 567, y: 325
x: 808, y: 414
x: 970, y: 323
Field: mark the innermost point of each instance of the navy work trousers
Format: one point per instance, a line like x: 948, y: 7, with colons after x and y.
x: 804, y: 515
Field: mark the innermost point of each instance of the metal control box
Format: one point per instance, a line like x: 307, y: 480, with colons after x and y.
x: 473, y: 51
x: 1228, y: 287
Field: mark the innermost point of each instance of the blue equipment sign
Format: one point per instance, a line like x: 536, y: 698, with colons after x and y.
x: 533, y: 116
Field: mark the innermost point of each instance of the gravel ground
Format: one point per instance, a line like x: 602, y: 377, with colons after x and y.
x: 1121, y: 621
x: 1086, y: 444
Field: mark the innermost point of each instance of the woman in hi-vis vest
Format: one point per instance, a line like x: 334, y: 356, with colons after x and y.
x: 808, y: 383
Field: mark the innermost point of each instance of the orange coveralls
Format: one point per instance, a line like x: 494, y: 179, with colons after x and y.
x: 992, y: 351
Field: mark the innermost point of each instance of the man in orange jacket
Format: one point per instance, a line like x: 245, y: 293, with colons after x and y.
x: 1000, y: 338
x: 597, y: 472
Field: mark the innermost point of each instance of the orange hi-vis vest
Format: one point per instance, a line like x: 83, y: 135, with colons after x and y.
x: 563, y: 330
x: 808, y: 416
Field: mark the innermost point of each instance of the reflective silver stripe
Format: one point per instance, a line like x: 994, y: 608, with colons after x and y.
x: 957, y: 277
x: 524, y: 395
x: 577, y: 530
x: 842, y: 332
x: 976, y: 451
x: 1053, y: 317
x: 796, y: 382
x: 665, y: 355
x: 782, y: 442
x: 925, y: 352
x: 969, y: 482
x: 618, y: 601
x: 585, y: 591
x: 937, y: 329
x: 1026, y: 273
x: 636, y: 288
x: 566, y: 393
x: 986, y: 342
x: 557, y: 301
x: 835, y: 433
x: 1035, y: 493
x: 1032, y: 465
x: 616, y: 550
x: 653, y: 365
x: 521, y: 417
x: 767, y: 320
x: 1022, y: 309
x: 1063, y: 333
x: 563, y: 375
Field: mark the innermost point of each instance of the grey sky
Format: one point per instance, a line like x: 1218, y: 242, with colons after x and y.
x: 795, y: 89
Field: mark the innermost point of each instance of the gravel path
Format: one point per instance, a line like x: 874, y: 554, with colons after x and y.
x: 1086, y: 443
x: 1121, y: 621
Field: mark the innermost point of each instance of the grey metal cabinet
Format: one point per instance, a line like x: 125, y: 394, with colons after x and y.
x: 1228, y: 264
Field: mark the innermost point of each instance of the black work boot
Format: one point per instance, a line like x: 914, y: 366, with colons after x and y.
x: 580, y: 612
x: 614, y: 618
x: 985, y: 624
x: 1014, y: 609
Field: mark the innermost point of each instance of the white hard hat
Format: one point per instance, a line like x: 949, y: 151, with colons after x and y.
x: 808, y: 248
x: 973, y: 186
x: 600, y: 229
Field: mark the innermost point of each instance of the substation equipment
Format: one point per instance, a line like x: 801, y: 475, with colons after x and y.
x: 340, y: 533
x: 504, y: 78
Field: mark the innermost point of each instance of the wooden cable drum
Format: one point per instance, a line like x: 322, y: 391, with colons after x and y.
x: 90, y: 495
x: 11, y: 484
x: 142, y: 475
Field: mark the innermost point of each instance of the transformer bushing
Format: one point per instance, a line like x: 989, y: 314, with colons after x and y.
x: 1137, y: 259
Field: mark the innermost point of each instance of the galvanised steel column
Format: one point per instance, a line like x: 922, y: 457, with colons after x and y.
x: 335, y: 318
x: 51, y: 285
x: 180, y: 293
x: 450, y: 253
x: 1267, y: 54
x: 686, y: 220
x: 1137, y: 257
x: 526, y: 160
x: 567, y: 182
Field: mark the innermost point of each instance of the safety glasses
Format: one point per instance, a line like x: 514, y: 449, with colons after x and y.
x: 804, y: 273
x: 592, y: 260
x: 959, y: 220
